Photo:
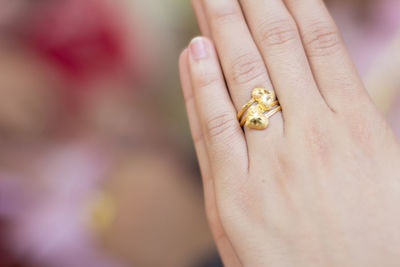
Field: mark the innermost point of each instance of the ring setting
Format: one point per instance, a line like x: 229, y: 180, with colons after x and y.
x: 255, y: 114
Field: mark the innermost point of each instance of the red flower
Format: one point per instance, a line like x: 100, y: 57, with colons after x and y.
x: 82, y: 37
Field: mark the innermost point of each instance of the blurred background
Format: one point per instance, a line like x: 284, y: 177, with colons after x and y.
x: 97, y: 166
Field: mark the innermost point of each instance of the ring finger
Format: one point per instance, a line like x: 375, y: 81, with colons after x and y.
x: 243, y: 66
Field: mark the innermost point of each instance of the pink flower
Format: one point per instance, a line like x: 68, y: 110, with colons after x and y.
x: 49, y: 211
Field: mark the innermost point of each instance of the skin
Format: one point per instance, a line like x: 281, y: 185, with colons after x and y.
x: 320, y: 186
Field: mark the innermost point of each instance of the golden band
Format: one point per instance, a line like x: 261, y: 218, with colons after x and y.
x: 252, y: 113
x: 244, y: 108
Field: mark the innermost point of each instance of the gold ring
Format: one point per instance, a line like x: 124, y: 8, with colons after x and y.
x: 262, y: 122
x: 252, y: 114
x: 245, y: 107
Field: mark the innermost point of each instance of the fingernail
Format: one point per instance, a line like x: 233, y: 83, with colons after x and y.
x: 198, y: 48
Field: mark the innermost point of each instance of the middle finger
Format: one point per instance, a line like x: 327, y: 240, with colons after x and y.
x: 277, y: 37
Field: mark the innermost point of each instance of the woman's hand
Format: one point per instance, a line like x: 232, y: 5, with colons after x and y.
x: 321, y: 185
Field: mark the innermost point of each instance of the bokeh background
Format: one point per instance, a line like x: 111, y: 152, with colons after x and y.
x: 96, y: 162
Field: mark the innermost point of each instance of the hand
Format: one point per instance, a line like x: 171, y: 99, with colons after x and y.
x: 320, y: 186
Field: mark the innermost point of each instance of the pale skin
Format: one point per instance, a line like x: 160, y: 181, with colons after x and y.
x: 321, y: 185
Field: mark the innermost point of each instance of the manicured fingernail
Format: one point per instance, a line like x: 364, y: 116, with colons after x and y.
x: 198, y: 48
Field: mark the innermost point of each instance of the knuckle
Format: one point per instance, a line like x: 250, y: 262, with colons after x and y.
x: 246, y: 199
x: 221, y: 125
x: 317, y: 139
x: 322, y: 40
x: 361, y: 128
x: 205, y: 79
x: 247, y: 68
x: 223, y: 14
x: 278, y: 32
x: 245, y: 196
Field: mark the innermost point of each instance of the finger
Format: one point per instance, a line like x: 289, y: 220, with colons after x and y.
x: 201, y: 18
x: 333, y: 69
x: 278, y: 39
x: 225, y: 141
x: 243, y: 66
x: 241, y: 62
x: 224, y: 246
